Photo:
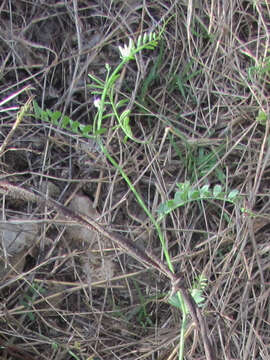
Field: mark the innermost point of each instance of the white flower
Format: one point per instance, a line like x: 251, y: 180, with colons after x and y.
x: 97, y: 103
x: 126, y: 50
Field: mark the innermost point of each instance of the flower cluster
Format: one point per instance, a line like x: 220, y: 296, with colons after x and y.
x: 126, y: 50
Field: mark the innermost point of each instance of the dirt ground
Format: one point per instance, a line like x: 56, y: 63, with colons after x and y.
x: 200, y: 108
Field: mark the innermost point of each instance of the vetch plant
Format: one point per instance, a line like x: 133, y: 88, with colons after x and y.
x: 106, y: 97
x: 105, y: 91
x: 108, y: 106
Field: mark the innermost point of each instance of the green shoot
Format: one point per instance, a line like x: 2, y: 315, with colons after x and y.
x: 106, y: 89
x: 261, y: 118
x: 187, y: 194
x: 66, y: 123
x: 177, y: 301
x: 34, y: 291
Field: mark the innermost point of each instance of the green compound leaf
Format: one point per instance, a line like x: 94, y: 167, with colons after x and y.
x: 196, y: 292
x: 66, y: 123
x: 147, y: 41
x: 186, y: 194
x: 197, y: 289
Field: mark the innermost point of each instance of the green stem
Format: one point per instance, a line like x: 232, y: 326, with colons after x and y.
x: 182, y: 336
x: 110, y: 80
x: 140, y: 201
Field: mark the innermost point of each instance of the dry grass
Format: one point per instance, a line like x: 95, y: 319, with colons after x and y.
x: 204, y: 86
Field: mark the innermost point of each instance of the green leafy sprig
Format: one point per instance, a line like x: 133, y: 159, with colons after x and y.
x: 105, y: 89
x: 176, y: 300
x: 57, y: 119
x: 186, y: 194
